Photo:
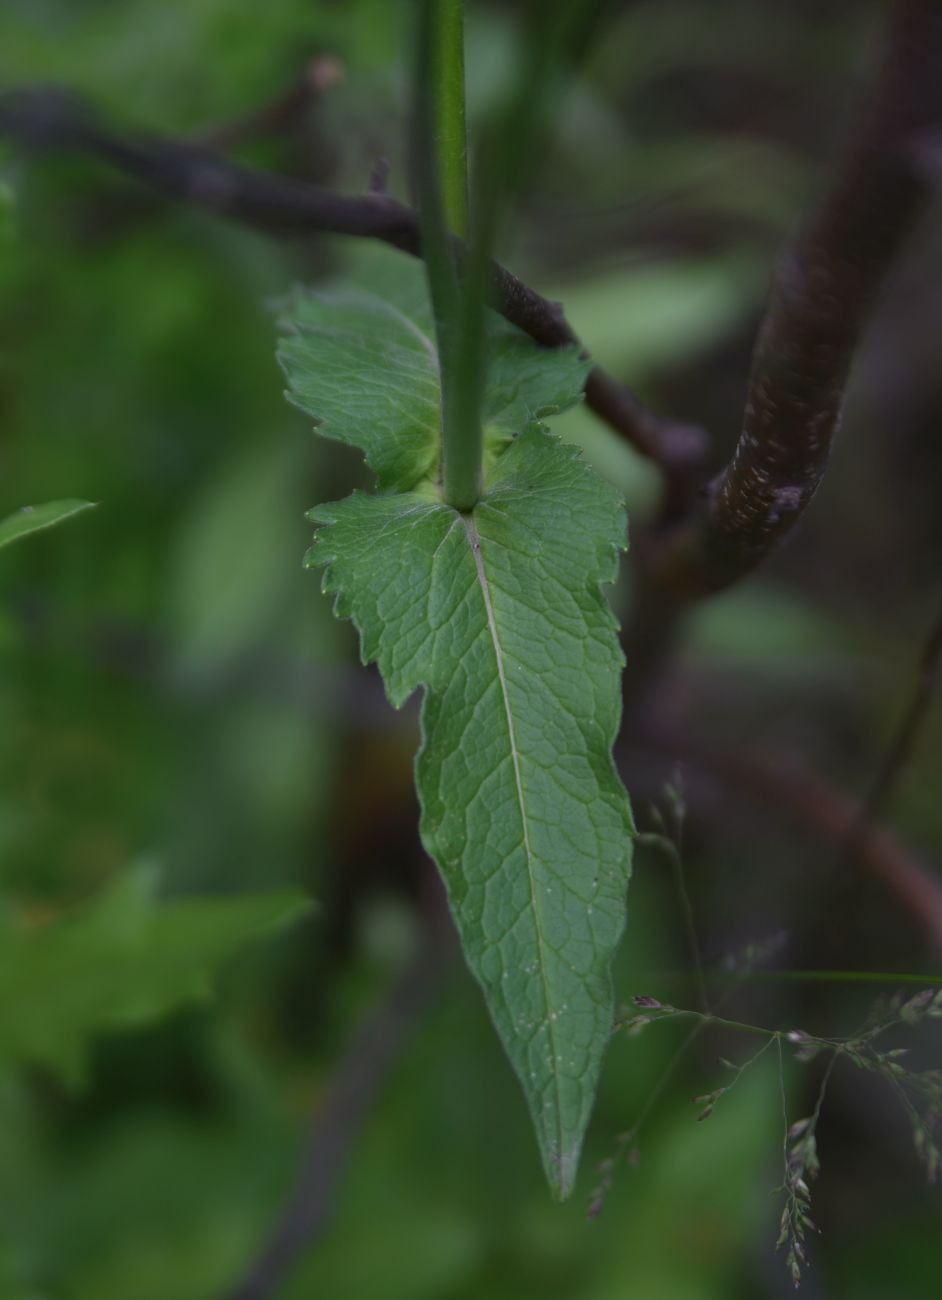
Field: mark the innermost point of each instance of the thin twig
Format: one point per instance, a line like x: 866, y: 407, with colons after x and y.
x: 353, y: 1092
x: 672, y: 852
x: 626, y: 1141
x: 910, y: 726
x: 52, y: 119
x: 827, y: 977
x: 321, y: 74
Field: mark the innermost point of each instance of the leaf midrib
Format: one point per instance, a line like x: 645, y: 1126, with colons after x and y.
x: 474, y: 541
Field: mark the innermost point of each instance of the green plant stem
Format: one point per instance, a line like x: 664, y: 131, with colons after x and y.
x: 740, y: 1026
x: 660, y: 1087
x: 671, y: 850
x: 707, y: 1020
x: 828, y: 977
x: 448, y: 113
x: 738, y: 978
x: 457, y: 300
x: 554, y: 32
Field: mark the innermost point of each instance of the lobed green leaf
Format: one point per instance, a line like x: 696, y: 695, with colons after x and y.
x: 363, y: 362
x: 500, y: 617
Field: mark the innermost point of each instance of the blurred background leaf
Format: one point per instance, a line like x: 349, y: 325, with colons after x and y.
x: 117, y: 961
x: 33, y: 519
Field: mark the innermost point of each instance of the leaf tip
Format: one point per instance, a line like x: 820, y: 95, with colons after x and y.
x: 561, y: 1170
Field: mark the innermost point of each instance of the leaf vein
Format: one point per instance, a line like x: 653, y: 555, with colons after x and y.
x: 474, y: 541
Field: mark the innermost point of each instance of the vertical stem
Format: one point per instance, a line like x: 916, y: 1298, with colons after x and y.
x: 448, y: 113
x: 457, y: 300
x: 458, y: 292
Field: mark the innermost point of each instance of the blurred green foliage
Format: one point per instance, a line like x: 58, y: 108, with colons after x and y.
x: 173, y: 688
x: 115, y: 962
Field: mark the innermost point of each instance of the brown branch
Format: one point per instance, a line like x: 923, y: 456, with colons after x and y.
x: 827, y: 811
x: 819, y: 307
x: 51, y: 119
x: 351, y: 1096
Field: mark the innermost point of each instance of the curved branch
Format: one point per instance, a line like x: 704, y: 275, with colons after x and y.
x: 820, y: 304
x: 52, y: 119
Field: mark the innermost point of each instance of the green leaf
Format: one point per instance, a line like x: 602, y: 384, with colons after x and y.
x: 33, y: 519
x: 499, y: 616
x: 363, y: 363
x: 122, y: 959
